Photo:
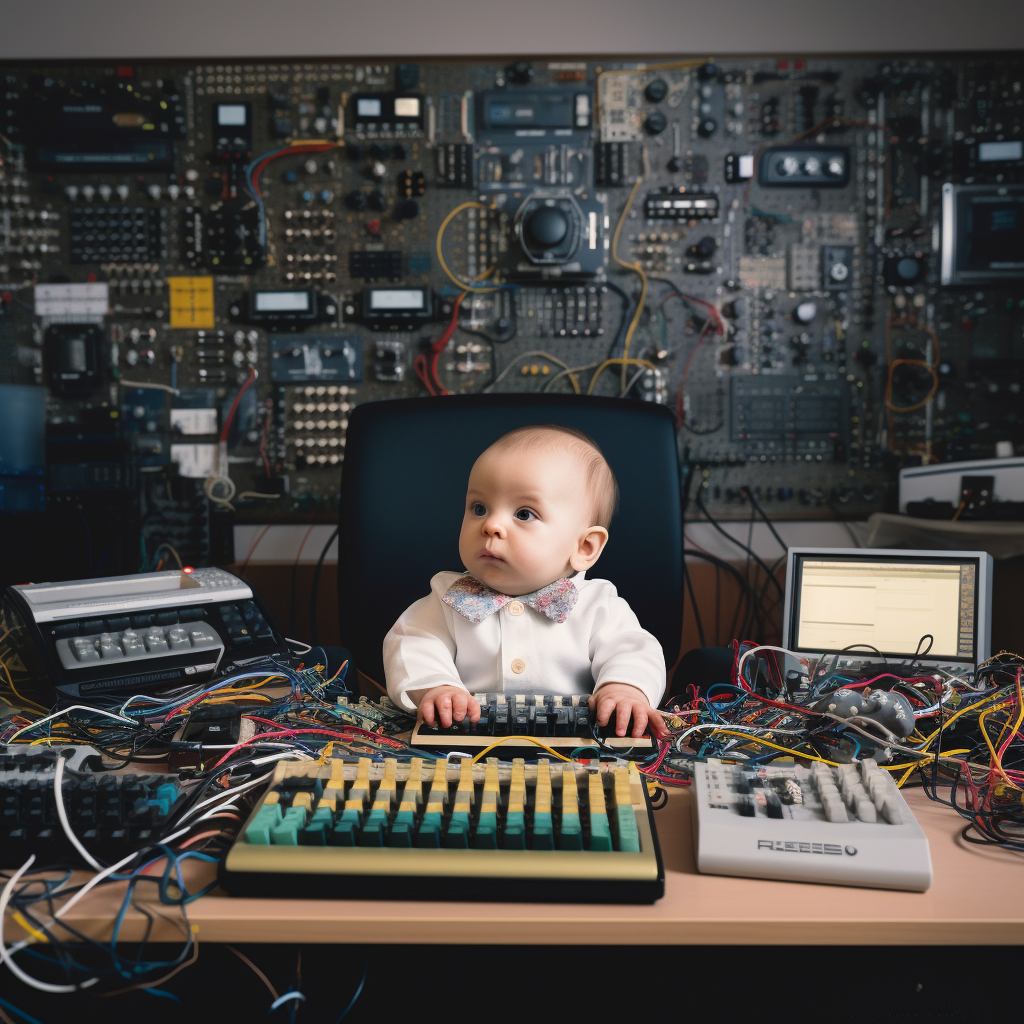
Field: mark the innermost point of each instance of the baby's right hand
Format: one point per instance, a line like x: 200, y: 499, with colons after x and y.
x: 444, y: 704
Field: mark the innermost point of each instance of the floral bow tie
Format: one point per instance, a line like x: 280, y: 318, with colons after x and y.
x: 475, y: 600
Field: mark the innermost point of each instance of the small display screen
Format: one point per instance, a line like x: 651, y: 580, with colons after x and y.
x: 282, y: 302
x: 407, y: 106
x: 398, y: 299
x: 368, y: 106
x: 992, y: 152
x: 231, y: 114
x: 745, y: 165
x: 994, y: 228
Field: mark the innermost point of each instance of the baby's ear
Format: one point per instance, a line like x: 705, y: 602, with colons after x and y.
x: 589, y: 546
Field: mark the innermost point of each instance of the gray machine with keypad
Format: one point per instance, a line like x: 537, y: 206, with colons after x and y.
x: 138, y: 633
x: 847, y: 825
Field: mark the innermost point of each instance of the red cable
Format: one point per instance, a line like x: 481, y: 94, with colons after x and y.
x: 234, y: 405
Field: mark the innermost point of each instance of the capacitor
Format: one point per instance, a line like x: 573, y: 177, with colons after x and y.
x: 805, y: 312
x: 377, y: 169
x: 310, y: 167
x: 326, y: 196
x: 122, y: 192
x: 307, y: 196
x: 72, y: 192
x: 155, y: 192
x: 173, y: 191
x: 656, y: 91
x: 88, y: 191
x: 106, y: 192
x: 706, y: 127
x: 655, y: 122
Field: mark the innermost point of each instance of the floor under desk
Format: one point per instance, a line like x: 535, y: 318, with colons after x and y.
x: 974, y: 900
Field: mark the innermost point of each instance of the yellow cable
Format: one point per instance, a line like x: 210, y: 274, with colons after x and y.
x: 637, y: 269
x: 996, y: 760
x: 36, y: 934
x: 614, y: 362
x: 519, y: 739
x: 471, y: 204
x: 952, y: 718
x: 24, y: 700
x: 768, y: 743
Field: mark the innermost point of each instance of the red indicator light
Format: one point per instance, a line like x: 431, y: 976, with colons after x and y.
x: 187, y: 570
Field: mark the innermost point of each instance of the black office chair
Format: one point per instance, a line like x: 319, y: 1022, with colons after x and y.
x: 403, y: 490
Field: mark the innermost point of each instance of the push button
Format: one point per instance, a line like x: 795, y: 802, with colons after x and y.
x: 518, y: 666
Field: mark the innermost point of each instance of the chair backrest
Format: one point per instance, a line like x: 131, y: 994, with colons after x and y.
x: 403, y: 489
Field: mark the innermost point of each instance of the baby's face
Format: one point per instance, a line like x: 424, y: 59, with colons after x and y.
x: 526, y: 510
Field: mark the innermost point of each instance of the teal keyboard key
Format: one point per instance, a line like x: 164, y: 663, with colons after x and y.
x: 600, y: 833
x: 401, y: 835
x: 543, y: 837
x: 515, y: 838
x: 351, y: 815
x: 457, y: 837
x: 372, y: 834
x: 405, y: 818
x: 428, y: 837
x: 343, y: 834
x: 629, y: 838
x: 314, y: 834
x: 572, y: 835
x: 486, y: 837
x: 259, y: 829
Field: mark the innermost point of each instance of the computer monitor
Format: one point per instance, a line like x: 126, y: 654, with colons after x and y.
x: 867, y: 602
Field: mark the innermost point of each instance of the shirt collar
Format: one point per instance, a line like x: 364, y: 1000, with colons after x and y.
x: 475, y: 600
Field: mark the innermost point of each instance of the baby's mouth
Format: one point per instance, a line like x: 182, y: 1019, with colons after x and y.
x: 489, y: 556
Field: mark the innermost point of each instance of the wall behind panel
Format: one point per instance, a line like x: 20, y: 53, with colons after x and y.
x: 307, y: 28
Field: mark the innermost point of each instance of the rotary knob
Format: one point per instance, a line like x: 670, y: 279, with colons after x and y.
x: 547, y: 226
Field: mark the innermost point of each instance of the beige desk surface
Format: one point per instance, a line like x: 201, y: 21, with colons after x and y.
x: 977, y: 898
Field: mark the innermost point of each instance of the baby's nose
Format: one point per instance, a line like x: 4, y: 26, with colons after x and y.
x: 492, y: 527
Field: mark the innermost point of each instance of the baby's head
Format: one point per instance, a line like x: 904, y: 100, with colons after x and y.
x: 538, y: 507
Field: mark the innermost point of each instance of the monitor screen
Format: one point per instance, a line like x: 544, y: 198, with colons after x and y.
x: 842, y: 602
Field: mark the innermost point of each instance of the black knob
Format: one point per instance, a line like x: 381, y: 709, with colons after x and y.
x: 378, y: 152
x: 407, y: 209
x: 655, y: 122
x: 675, y: 165
x: 398, y: 151
x: 520, y: 73
x: 547, y: 226
x: 356, y: 200
x: 705, y: 248
x: 656, y: 91
x: 706, y: 72
x: 707, y: 127
x: 908, y: 269
x: 377, y: 200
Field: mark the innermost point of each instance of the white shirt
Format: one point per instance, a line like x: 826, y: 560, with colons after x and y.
x: 520, y: 650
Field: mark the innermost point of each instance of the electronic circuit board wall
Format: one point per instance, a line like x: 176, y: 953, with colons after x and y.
x: 816, y: 262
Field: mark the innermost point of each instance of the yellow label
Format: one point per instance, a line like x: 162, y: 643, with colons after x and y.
x: 191, y: 300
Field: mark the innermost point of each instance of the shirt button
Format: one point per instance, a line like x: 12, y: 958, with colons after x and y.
x: 518, y: 665
x: 515, y: 608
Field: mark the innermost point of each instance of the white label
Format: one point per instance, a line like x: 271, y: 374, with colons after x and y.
x: 231, y: 114
x: 194, y: 460
x: 71, y: 303
x: 194, y: 421
x: 368, y: 108
x: 407, y: 106
x: 989, y: 151
x: 282, y: 302
x: 746, y: 165
x: 312, y: 364
x: 397, y: 298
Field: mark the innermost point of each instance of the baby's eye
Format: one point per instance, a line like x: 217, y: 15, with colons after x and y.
x: 524, y: 515
x: 479, y: 510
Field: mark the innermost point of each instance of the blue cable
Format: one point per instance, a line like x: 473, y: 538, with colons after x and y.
x: 11, y: 1008
x: 358, y: 993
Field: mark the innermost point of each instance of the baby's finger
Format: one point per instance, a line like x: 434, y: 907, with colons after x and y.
x: 444, y: 710
x: 656, y: 724
x: 625, y: 709
x: 640, y: 715
x: 605, y: 706
x: 459, y: 702
x: 427, y: 710
x: 473, y: 709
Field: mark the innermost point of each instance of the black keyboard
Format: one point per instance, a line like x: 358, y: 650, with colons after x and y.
x: 563, y: 723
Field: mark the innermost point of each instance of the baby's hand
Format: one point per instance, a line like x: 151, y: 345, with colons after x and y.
x: 444, y: 704
x: 622, y: 701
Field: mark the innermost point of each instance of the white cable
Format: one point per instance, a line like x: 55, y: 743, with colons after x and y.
x: 91, y: 884
x: 227, y: 794
x: 144, y: 384
x: 763, y: 647
x: 5, y: 956
x: 299, y: 643
x: 64, y: 712
x: 62, y: 814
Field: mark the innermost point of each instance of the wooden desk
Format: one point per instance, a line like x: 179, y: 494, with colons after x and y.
x: 975, y: 900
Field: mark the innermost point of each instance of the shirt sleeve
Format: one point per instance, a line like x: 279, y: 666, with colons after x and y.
x: 623, y: 652
x: 419, y: 652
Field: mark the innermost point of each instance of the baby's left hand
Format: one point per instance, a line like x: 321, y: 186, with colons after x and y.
x: 624, y: 702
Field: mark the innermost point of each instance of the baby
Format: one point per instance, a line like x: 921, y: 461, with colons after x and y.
x: 525, y: 619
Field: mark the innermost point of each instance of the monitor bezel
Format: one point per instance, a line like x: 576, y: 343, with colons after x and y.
x: 982, y: 599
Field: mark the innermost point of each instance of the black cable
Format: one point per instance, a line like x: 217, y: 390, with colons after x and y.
x: 314, y: 589
x: 627, y: 310
x: 693, y: 602
x: 726, y: 567
x: 764, y: 516
x: 738, y: 543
